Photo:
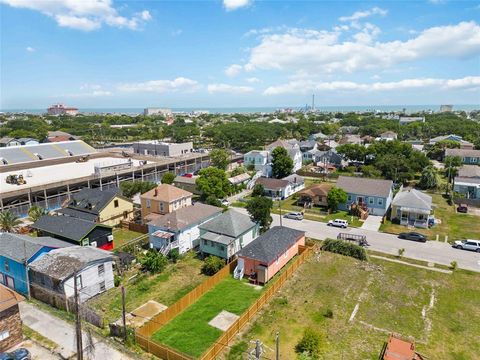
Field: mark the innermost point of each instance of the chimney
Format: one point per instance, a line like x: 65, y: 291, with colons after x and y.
x: 155, y: 193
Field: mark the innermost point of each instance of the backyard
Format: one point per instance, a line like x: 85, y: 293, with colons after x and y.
x: 122, y: 236
x: 454, y: 225
x: 440, y: 311
x: 166, y: 288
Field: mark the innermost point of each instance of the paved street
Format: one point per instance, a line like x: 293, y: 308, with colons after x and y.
x: 433, y: 251
x: 63, y: 334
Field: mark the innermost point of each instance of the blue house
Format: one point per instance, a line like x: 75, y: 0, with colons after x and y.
x: 468, y: 156
x: 16, y: 252
x: 375, y: 194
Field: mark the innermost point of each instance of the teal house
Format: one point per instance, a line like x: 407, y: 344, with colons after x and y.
x: 468, y: 156
x: 227, y: 234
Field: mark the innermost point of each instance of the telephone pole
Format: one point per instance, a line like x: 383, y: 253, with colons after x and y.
x: 258, y: 350
x: 78, y: 320
x: 277, y: 352
x: 123, y: 316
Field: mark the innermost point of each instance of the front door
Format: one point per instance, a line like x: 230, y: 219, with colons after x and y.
x: 10, y: 282
x: 360, y: 199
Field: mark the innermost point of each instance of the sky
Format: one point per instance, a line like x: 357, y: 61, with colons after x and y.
x: 237, y: 53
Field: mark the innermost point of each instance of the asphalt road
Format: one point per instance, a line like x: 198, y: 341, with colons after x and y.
x: 431, y: 251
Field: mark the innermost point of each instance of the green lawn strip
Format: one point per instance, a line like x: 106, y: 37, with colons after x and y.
x: 190, y: 333
x: 29, y: 333
x: 122, y: 236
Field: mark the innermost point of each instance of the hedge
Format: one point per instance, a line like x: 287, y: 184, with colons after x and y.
x: 345, y: 248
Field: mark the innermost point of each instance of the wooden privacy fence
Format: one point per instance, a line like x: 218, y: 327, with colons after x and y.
x: 165, y: 352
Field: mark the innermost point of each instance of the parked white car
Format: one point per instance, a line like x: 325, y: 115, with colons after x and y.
x: 468, y: 244
x: 338, y: 223
x: 224, y: 202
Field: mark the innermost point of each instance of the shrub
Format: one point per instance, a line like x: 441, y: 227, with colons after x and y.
x: 154, y: 261
x: 453, y: 265
x: 344, y: 248
x: 116, y: 280
x: 173, y: 255
x: 212, y: 265
x: 328, y: 314
x: 401, y: 252
x: 310, y: 344
x: 168, y: 178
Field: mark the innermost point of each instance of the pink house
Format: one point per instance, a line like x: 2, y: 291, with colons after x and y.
x: 266, y: 255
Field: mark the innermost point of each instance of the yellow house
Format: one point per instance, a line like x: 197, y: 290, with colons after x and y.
x: 102, y: 206
x: 164, y: 199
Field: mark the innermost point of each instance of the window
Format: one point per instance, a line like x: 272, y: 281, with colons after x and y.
x: 161, y: 206
x: 115, y: 203
x: 380, y: 201
x: 101, y: 269
x: 148, y: 203
x: 4, y: 335
x: 349, y: 198
x: 79, y: 282
x: 102, y: 286
x: 371, y: 201
x: 222, y: 247
x: 2, y: 279
x: 7, y: 266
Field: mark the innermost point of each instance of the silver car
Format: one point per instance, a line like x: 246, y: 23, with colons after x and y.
x: 468, y: 244
x: 294, y: 215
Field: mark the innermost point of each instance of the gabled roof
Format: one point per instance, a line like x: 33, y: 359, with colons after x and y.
x: 469, y: 171
x: 93, y: 200
x: 316, y: 190
x: 272, y: 244
x: 462, y: 152
x: 264, y: 153
x: 286, y: 144
x: 239, y: 178
x: 294, y: 179
x: 184, y: 217
x: 272, y: 184
x: 21, y: 248
x: 166, y: 193
x: 66, y: 226
x: 62, y: 263
x: 364, y: 186
x: 230, y: 223
x: 85, y: 215
x: 8, y: 298
x: 413, y: 199
x: 6, y: 140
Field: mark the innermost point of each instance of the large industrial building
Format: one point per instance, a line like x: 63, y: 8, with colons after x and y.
x: 160, y: 148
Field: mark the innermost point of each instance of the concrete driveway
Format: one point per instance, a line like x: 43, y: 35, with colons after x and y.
x: 372, y: 223
x: 431, y: 251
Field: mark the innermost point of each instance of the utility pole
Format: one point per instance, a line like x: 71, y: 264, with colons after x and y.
x: 277, y: 352
x: 123, y: 316
x: 280, y: 208
x: 78, y: 320
x: 258, y: 350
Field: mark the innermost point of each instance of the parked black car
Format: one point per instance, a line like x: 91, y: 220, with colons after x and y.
x: 19, y: 354
x: 462, y: 208
x: 414, y: 236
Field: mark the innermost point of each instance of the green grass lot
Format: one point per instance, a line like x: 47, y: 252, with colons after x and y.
x: 165, y: 288
x: 392, y: 299
x: 455, y: 225
x: 122, y: 236
x: 190, y: 333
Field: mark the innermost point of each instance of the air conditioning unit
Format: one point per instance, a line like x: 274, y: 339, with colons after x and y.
x: 93, y: 244
x: 110, y: 237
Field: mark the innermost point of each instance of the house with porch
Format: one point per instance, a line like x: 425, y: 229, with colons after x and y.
x: 180, y: 228
x: 281, y: 188
x: 164, y: 199
x: 467, y: 181
x: 314, y: 195
x: 373, y: 194
x: 260, y: 160
x: 227, y: 234
x: 412, y: 207
x: 468, y: 156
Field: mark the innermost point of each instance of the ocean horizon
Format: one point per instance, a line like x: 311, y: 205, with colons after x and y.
x: 267, y: 109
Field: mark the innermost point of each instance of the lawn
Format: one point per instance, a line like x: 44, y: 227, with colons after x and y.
x: 122, y: 236
x: 190, y: 332
x: 391, y: 297
x: 165, y: 288
x: 454, y: 225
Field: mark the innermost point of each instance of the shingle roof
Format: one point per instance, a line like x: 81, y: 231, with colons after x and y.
x: 62, y: 263
x: 185, y: 217
x: 462, y: 152
x: 364, y: 186
x: 85, y: 215
x: 230, y: 223
x: 272, y: 184
x: 269, y: 246
x: 8, y: 298
x: 66, y: 226
x: 286, y: 144
x: 469, y: 171
x: 413, y: 198
x: 20, y: 248
x: 316, y: 189
x: 294, y: 179
x: 167, y: 193
x: 93, y: 200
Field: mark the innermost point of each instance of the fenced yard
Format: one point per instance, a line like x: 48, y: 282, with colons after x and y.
x: 440, y: 311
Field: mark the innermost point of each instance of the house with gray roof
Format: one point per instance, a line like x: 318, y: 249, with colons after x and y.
x: 374, y: 194
x: 468, y: 156
x: 55, y: 272
x: 269, y: 253
x: 467, y: 181
x: 412, y: 207
x: 179, y: 229
x: 17, y: 252
x: 227, y: 234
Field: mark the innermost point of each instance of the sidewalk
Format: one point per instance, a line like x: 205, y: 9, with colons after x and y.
x: 63, y: 334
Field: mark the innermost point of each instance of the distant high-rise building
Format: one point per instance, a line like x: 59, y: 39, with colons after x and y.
x: 60, y: 109
x: 157, y: 111
x: 446, y: 108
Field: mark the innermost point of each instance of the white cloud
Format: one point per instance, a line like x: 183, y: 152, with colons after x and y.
x: 317, y: 51
x: 306, y: 86
x: 176, y: 32
x: 235, y: 4
x: 30, y: 49
x: 233, y: 70
x: 229, y: 89
x: 364, y: 14
x: 252, y: 80
x: 161, y: 86
x: 86, y: 15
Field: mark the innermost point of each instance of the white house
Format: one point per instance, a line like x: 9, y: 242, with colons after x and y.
x: 282, y: 188
x: 55, y: 271
x: 293, y: 148
x: 260, y: 159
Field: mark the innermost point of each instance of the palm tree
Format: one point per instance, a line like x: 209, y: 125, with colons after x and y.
x: 429, y: 179
x: 8, y: 221
x: 36, y: 212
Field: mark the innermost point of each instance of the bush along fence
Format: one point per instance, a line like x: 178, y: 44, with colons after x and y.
x: 143, y: 334
x: 344, y: 248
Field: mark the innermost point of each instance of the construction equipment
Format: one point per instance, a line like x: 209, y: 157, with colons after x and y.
x: 15, y: 179
x: 82, y: 159
x: 125, y: 154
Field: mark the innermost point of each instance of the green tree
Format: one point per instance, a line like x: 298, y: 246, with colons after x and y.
x: 259, y: 209
x: 310, y: 344
x: 9, y: 221
x: 212, y: 265
x: 36, y: 212
x: 258, y: 190
x: 238, y: 170
x: 335, y: 197
x: 154, y: 262
x: 282, y: 163
x: 219, y: 158
x: 130, y: 188
x: 353, y: 152
x: 452, y: 163
x: 213, y: 182
x: 429, y: 178
x: 168, y: 178
x: 371, y: 171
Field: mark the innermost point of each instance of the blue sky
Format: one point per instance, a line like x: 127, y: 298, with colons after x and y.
x: 106, y: 53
